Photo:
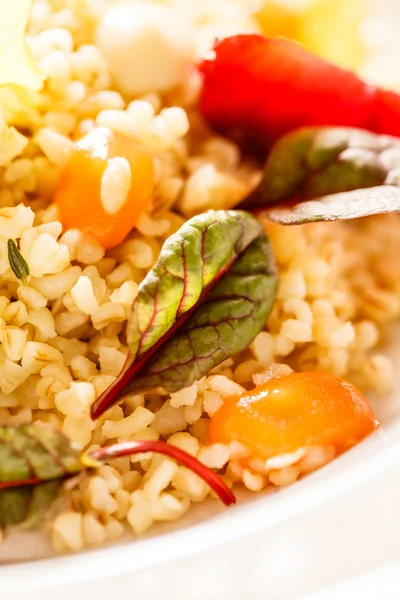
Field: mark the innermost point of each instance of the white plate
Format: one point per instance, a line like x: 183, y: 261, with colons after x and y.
x: 269, y: 546
x: 209, y: 525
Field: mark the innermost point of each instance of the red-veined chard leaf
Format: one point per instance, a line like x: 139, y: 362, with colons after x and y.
x: 27, y: 505
x: 343, y: 206
x: 33, y: 453
x: 335, y: 167
x: 36, y: 460
x: 206, y: 298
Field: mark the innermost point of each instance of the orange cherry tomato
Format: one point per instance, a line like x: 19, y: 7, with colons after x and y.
x: 294, y: 411
x: 79, y: 196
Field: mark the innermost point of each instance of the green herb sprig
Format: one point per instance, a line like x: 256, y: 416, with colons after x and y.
x: 18, y: 264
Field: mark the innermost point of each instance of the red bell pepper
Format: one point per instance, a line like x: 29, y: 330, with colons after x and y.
x: 256, y: 89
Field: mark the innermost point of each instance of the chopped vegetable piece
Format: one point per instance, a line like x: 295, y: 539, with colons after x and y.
x: 16, y: 64
x: 294, y: 411
x: 34, y: 461
x: 258, y: 89
x: 206, y: 298
x: 105, y: 186
x: 18, y: 264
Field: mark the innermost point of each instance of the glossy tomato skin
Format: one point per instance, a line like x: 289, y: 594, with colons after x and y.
x: 294, y: 411
x: 256, y: 89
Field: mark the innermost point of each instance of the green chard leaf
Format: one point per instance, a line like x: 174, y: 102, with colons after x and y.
x: 18, y: 264
x: 334, y: 167
x: 34, y: 461
x: 340, y: 207
x: 27, y: 505
x: 206, y: 298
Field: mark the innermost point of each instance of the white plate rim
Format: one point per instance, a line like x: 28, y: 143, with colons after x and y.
x: 376, y: 454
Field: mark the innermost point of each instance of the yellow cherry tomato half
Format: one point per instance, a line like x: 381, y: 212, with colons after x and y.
x: 105, y: 186
x: 294, y: 411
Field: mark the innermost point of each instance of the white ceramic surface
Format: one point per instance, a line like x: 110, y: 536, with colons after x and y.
x: 238, y: 537
x: 335, y: 525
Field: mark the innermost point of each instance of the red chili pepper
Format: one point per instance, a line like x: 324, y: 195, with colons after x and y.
x: 256, y: 89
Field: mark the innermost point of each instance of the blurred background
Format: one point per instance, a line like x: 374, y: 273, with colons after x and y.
x: 357, y: 34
